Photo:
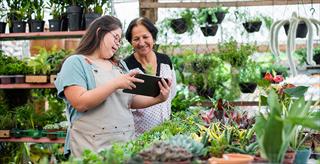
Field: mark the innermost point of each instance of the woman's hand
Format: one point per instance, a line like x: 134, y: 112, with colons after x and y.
x: 164, y: 90
x: 126, y: 81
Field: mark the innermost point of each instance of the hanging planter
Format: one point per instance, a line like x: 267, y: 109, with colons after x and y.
x: 3, y: 27
x: 302, y: 30
x: 220, y: 16
x: 252, y: 26
x: 179, y: 26
x: 248, y: 87
x: 209, y: 30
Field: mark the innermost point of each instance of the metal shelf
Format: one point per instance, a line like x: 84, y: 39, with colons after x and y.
x: 29, y: 139
x: 26, y: 86
x: 41, y: 35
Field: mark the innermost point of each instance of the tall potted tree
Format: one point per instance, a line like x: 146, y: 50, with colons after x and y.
x: 74, y: 12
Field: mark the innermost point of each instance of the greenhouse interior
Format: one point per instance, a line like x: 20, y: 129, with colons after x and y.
x: 181, y: 81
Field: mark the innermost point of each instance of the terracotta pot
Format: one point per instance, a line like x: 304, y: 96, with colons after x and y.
x: 232, y: 158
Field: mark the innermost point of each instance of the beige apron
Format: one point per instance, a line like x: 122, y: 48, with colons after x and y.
x: 111, y: 122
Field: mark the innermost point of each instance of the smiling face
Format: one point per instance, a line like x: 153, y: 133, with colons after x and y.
x: 110, y: 43
x: 142, y: 40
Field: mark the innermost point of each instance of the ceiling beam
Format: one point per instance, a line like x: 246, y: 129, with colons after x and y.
x: 225, y: 4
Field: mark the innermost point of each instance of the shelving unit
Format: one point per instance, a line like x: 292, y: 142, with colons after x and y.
x: 26, y: 86
x: 32, y: 140
x: 23, y: 86
x: 41, y: 35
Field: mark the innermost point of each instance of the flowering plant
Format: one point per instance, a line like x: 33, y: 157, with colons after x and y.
x: 273, y: 78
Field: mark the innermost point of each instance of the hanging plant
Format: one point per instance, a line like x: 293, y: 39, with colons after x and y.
x: 293, y: 25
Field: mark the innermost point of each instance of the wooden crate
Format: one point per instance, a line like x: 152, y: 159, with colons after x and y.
x: 52, y: 78
x: 4, y: 133
x: 36, y: 79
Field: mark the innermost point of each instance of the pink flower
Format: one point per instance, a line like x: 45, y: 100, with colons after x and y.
x: 278, y: 78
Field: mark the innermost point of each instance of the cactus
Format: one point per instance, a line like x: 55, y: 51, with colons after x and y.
x: 196, y: 148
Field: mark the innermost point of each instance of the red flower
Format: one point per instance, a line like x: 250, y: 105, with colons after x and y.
x: 277, y: 78
x: 268, y: 77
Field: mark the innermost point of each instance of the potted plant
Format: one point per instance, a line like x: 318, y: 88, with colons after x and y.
x: 74, y: 12
x: 55, y: 11
x: 184, y: 23
x: 7, y: 122
x: 207, y: 21
x: 40, y: 67
x: 17, y: 15
x: 252, y: 24
x: 37, y: 23
x: 3, y: 15
x: 274, y: 128
x: 51, y: 131
x: 249, y: 76
x: 302, y: 152
x: 302, y: 29
x: 94, y: 10
x: 220, y: 13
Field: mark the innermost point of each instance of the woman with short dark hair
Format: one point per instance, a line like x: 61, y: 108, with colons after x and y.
x: 142, y: 34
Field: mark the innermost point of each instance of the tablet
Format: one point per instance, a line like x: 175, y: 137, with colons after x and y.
x: 150, y: 87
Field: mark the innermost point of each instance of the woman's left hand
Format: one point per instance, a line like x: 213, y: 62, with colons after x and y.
x: 164, y: 90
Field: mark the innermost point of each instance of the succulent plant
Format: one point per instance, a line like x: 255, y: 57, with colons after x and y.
x: 165, y: 152
x: 192, y: 146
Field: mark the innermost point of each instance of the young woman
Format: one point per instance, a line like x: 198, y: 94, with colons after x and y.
x: 91, y: 84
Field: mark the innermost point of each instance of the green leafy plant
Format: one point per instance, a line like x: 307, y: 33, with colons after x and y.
x: 250, y: 72
x: 55, y: 9
x: 37, y: 7
x: 236, y: 56
x: 188, y: 16
x: 275, y: 128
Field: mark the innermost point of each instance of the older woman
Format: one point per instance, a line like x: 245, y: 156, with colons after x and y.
x: 142, y: 34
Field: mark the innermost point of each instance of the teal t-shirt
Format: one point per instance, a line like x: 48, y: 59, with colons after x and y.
x: 74, y: 71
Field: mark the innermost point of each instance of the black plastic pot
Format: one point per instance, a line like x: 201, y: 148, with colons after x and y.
x: 220, y: 16
x: 252, y: 26
x: 18, y: 26
x: 3, y: 27
x: 209, y: 30
x: 90, y: 17
x: 54, y: 25
x: 302, y: 30
x: 316, y: 58
x: 74, y: 17
x: 36, y: 26
x: 64, y: 22
x: 248, y: 87
x: 179, y: 26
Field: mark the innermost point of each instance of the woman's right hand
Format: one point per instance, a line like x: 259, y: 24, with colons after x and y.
x: 126, y: 81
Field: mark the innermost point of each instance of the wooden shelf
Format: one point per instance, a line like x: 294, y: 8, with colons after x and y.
x: 231, y: 3
x: 29, y: 139
x: 26, y: 86
x: 41, y: 35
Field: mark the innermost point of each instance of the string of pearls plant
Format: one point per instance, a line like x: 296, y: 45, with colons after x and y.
x: 291, y: 44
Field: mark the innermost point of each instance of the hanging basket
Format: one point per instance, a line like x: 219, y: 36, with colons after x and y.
x: 179, y: 26
x: 209, y: 30
x: 302, y: 30
x: 252, y: 26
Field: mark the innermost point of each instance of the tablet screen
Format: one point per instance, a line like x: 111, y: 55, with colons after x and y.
x: 150, y: 87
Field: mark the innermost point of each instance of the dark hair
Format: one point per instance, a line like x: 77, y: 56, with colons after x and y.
x: 95, y: 33
x: 146, y: 23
